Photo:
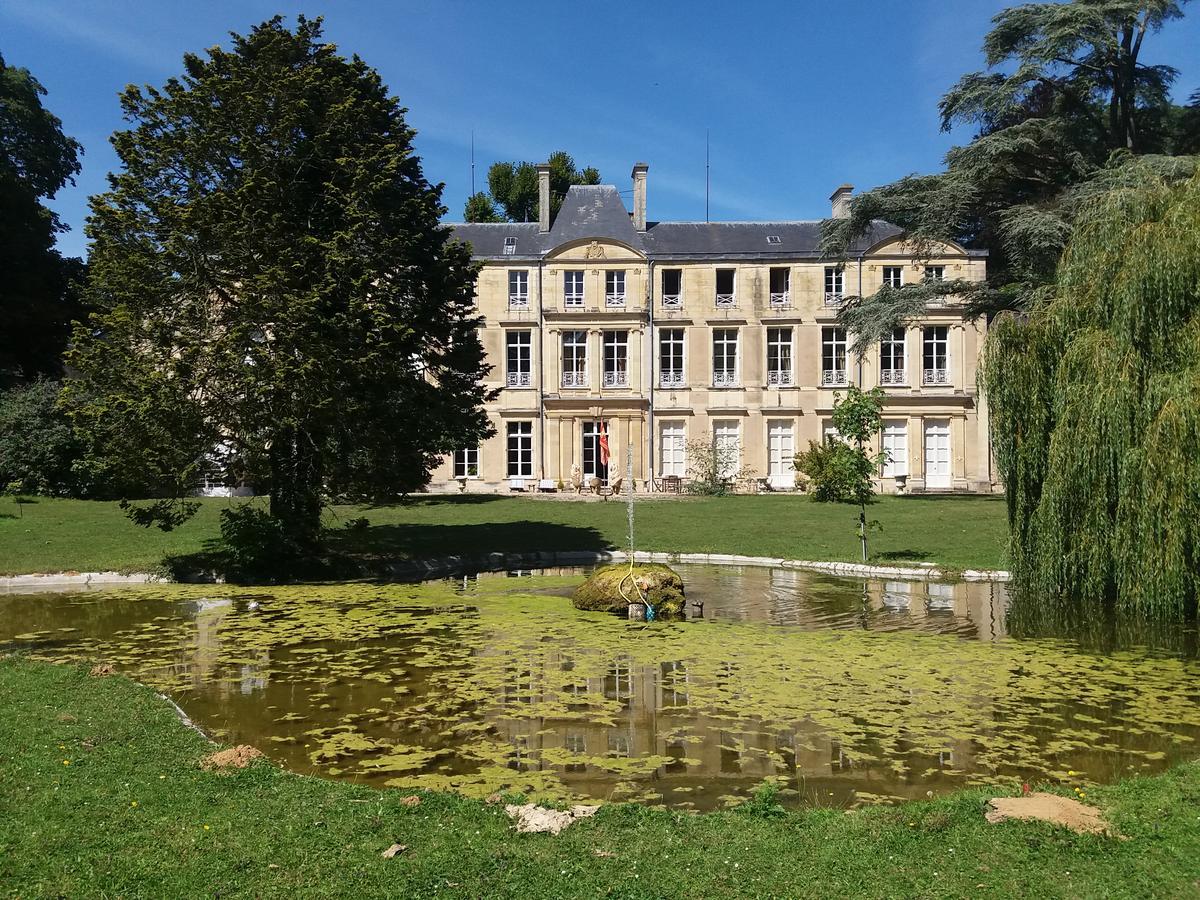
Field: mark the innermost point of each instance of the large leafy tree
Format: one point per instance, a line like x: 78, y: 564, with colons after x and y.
x: 36, y: 284
x: 1067, y: 102
x: 1095, y: 400
x: 513, y: 189
x: 270, y: 277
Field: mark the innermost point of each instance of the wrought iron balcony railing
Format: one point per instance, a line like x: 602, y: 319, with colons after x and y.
x: 518, y: 299
x: 779, y: 377
x: 614, y: 299
x: 893, y: 376
x: 781, y: 300
x: 670, y: 379
x: 833, y: 378
x: 724, y: 301
x: 574, y: 379
x: 519, y: 379
x: 834, y: 298
x: 935, y: 376
x: 724, y: 379
x: 672, y: 301
x: 616, y: 379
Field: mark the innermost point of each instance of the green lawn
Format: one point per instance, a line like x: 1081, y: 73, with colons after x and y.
x: 958, y: 532
x: 101, y: 795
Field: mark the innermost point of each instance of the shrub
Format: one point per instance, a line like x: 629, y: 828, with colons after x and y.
x: 255, y: 545
x: 38, y: 446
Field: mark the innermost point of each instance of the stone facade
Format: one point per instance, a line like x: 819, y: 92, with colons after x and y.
x: 676, y: 333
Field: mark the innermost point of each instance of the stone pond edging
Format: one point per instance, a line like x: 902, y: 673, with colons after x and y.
x: 494, y: 562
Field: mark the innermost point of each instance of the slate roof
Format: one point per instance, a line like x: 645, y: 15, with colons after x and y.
x: 597, y: 212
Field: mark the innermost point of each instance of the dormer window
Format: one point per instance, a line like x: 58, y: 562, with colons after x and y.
x: 510, y: 246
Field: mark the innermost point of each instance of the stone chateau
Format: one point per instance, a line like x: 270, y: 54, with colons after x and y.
x: 665, y: 334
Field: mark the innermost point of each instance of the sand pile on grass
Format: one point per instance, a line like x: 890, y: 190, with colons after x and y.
x: 1052, y: 808
x: 234, y: 758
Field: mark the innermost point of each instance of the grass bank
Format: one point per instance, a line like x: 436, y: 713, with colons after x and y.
x: 101, y: 794
x: 959, y: 532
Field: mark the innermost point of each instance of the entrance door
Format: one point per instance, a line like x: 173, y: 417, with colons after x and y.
x: 937, y: 453
x: 593, y: 467
x: 781, y: 450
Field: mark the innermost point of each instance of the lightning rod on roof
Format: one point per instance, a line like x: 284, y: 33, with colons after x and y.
x: 472, y: 162
x: 706, y: 176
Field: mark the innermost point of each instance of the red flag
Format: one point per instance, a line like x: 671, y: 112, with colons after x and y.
x: 603, y: 445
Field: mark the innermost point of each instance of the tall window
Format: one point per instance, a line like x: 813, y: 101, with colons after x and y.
x: 893, y: 276
x: 574, y: 359
x: 614, y: 287
x: 518, y: 287
x: 726, y: 287
x: 670, y: 357
x: 520, y: 449
x: 466, y: 462
x: 725, y: 341
x: 935, y: 273
x: 727, y: 443
x: 673, y: 449
x: 672, y: 288
x: 894, y: 444
x: 518, y: 347
x: 779, y: 356
x: 616, y: 359
x: 781, y: 451
x: 835, y: 281
x: 833, y: 356
x: 781, y: 283
x: 935, y: 352
x: 573, y: 288
x: 891, y: 358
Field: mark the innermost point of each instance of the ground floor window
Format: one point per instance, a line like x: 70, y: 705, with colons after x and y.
x: 894, y: 443
x: 520, y: 449
x: 674, y: 453
x: 466, y: 462
x: 937, y: 453
x: 781, y: 452
x: 727, y: 442
x: 595, y: 450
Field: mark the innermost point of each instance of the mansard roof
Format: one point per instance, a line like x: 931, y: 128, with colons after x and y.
x: 596, y: 212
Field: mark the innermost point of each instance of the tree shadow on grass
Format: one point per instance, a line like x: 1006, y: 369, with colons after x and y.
x: 352, y: 553
x: 901, y: 555
x: 418, y: 500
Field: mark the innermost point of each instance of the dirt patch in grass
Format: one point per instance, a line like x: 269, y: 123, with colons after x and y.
x: 102, y: 670
x: 1052, y: 808
x: 534, y: 819
x: 234, y: 758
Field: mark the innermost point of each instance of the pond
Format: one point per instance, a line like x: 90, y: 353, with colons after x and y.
x: 842, y: 691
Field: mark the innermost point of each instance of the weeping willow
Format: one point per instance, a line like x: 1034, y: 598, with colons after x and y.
x: 1095, y: 404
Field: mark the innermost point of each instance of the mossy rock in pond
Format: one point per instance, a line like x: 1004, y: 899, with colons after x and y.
x: 661, y: 584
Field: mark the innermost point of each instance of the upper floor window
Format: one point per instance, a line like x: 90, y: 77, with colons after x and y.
x: 726, y: 287
x: 518, y: 358
x: 725, y: 357
x: 893, y: 276
x: 670, y: 357
x: 779, y: 356
x: 935, y: 353
x: 935, y: 273
x: 466, y: 462
x: 614, y: 287
x: 835, y: 281
x: 616, y: 359
x: 518, y: 287
x: 891, y: 358
x: 833, y: 356
x: 672, y: 288
x: 781, y: 284
x: 574, y: 359
x: 510, y: 246
x: 573, y: 288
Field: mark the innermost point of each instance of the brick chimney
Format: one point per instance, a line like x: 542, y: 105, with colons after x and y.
x: 841, y: 201
x: 639, y: 195
x: 543, y: 174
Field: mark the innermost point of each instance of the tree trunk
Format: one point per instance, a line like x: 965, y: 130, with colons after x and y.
x: 862, y: 529
x: 296, y: 487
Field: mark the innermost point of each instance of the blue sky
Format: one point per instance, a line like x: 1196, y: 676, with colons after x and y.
x: 797, y: 97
